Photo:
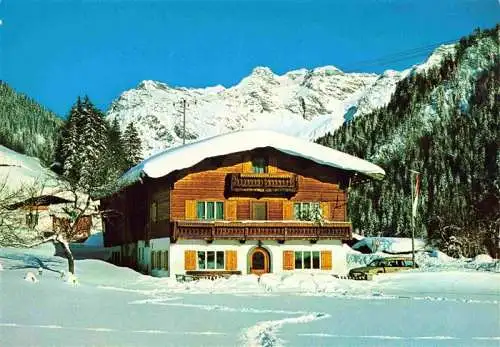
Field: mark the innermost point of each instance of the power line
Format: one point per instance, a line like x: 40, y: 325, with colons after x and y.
x: 401, y: 55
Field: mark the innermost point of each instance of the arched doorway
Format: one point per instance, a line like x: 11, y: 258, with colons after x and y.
x: 258, y: 258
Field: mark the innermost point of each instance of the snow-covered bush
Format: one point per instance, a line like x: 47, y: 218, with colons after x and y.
x: 30, y: 277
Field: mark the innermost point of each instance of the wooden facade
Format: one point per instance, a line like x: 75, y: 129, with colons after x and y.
x: 253, y: 206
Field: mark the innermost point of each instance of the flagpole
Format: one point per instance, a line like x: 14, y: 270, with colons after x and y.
x: 414, y: 202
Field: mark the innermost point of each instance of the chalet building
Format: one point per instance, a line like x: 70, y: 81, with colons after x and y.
x: 46, y: 212
x: 245, y: 202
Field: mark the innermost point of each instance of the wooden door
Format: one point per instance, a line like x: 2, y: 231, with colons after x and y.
x: 259, y: 261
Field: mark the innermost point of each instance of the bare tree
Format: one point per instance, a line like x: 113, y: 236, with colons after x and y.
x: 15, y: 233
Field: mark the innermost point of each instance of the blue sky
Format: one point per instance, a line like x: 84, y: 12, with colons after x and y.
x: 55, y: 50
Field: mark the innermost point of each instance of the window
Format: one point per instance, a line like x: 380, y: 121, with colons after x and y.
x: 210, y: 210
x: 307, y: 260
x: 153, y: 212
x: 159, y: 260
x: 211, y: 260
x: 259, y: 211
x: 115, y: 257
x: 31, y: 220
x: 259, y: 165
x: 165, y: 260
x: 306, y: 210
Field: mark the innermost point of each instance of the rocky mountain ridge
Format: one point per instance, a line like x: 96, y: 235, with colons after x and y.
x: 304, y: 103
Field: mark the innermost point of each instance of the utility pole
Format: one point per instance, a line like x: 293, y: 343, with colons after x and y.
x: 414, y: 199
x: 183, y: 121
x: 183, y: 102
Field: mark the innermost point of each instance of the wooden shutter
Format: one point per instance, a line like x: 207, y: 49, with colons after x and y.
x: 287, y: 210
x: 190, y: 212
x: 326, y: 260
x: 231, y: 208
x: 189, y: 260
x: 247, y: 164
x: 288, y: 260
x: 272, y: 166
x: 325, y: 210
x: 231, y: 261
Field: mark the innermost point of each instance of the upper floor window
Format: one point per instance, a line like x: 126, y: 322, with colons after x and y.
x: 259, y: 165
x: 153, y: 212
x: 306, y: 210
x: 210, y: 210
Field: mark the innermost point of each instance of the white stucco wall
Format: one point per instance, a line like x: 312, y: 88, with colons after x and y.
x: 162, y: 244
x: 176, y: 253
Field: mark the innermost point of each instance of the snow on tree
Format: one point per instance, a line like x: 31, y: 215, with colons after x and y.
x: 15, y: 233
x: 93, y: 146
x: 116, y: 161
x: 132, y: 145
x: 83, y: 146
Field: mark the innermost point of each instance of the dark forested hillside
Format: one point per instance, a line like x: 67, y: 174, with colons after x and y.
x: 444, y: 123
x: 26, y: 126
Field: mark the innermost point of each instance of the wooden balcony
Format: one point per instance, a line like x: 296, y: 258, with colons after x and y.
x: 260, y: 230
x: 262, y: 183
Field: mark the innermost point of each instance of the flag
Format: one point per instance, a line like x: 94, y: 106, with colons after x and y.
x: 415, y: 199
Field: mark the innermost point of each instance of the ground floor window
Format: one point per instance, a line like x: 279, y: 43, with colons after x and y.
x: 115, y: 257
x: 210, y: 260
x: 159, y: 260
x: 31, y: 220
x: 210, y: 210
x: 307, y: 260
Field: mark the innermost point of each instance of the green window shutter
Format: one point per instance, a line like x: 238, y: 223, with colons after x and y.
x: 210, y: 210
x: 200, y: 210
x: 220, y: 210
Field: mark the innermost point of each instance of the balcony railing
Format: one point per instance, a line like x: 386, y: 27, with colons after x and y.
x: 263, y: 183
x: 260, y: 230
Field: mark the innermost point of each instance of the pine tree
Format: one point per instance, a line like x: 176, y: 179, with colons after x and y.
x: 457, y: 150
x: 132, y: 146
x: 116, y: 153
x: 68, y: 152
x: 26, y: 126
x: 93, y: 146
x: 82, y: 146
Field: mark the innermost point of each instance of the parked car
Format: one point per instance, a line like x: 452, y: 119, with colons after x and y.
x: 381, y: 265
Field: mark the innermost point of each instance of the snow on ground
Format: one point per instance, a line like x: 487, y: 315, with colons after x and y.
x: 388, y: 244
x: 113, y: 306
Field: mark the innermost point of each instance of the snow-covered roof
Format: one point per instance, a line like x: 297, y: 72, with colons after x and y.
x: 19, y: 170
x: 183, y: 157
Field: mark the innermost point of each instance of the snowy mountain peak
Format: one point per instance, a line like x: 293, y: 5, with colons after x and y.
x: 305, y: 102
x: 327, y: 70
x: 262, y: 71
x: 148, y: 85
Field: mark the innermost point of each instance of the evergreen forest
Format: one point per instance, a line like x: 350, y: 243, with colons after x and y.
x: 443, y: 123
